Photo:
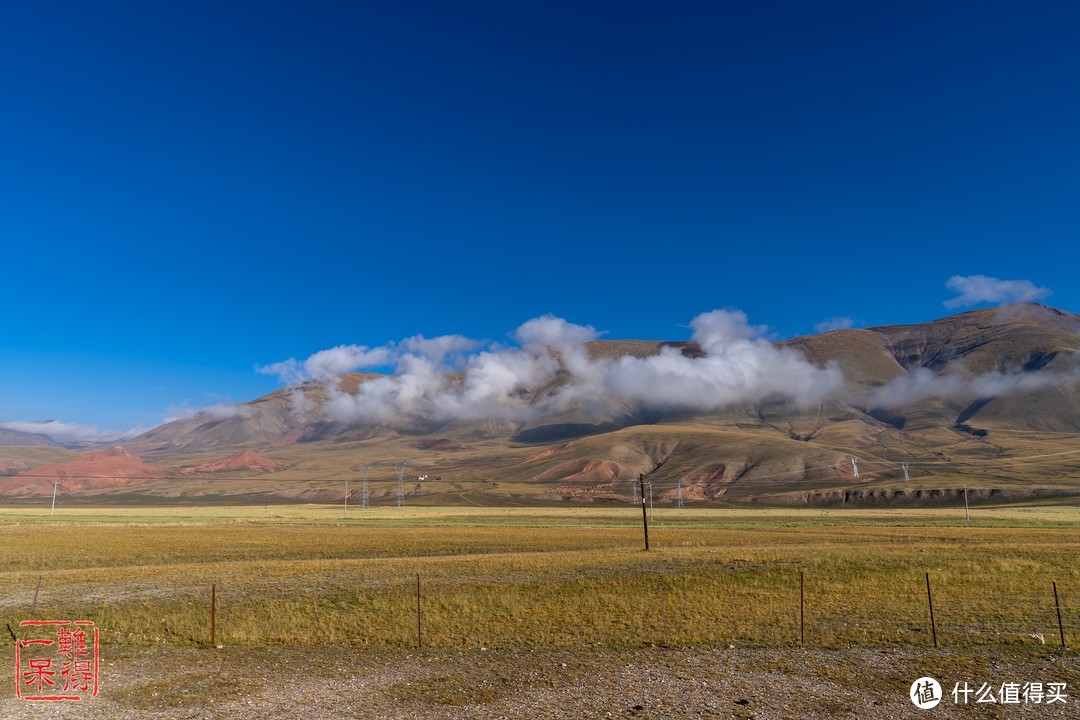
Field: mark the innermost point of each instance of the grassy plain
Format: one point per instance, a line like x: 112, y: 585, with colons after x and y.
x: 545, y: 577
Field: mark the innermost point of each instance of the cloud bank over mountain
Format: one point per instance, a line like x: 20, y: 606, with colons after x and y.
x: 71, y: 433
x: 548, y: 369
x: 453, y: 377
x: 922, y: 384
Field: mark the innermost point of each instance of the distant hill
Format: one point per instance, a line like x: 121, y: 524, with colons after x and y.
x: 245, y: 460
x: 17, y: 438
x: 108, y: 469
x: 988, y: 399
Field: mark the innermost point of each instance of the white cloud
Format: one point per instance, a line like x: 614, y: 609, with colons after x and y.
x: 551, y: 331
x: 221, y: 411
x: 914, y: 386
x: 288, y: 371
x: 979, y: 289
x: 922, y: 384
x: 301, y: 407
x: 550, y: 371
x: 739, y: 366
x: 438, y: 349
x: 72, y: 434
x: 834, y: 323
x: 330, y: 363
x: 490, y: 385
x: 327, y: 364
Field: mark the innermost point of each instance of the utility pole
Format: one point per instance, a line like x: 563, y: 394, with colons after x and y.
x: 644, y: 519
x: 346, y: 512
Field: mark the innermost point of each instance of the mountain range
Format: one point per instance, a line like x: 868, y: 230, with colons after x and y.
x: 987, y: 400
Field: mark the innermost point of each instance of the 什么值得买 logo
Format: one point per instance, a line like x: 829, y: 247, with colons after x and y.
x: 925, y: 693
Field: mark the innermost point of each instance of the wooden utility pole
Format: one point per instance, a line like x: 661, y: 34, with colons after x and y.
x: 644, y: 516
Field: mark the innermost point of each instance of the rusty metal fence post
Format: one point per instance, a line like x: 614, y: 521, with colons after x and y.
x: 802, y: 612
x: 930, y: 599
x: 213, y: 614
x: 1057, y: 606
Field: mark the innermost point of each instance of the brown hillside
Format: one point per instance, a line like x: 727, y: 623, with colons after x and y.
x: 96, y: 471
x: 246, y: 460
x: 750, y: 452
x: 12, y: 467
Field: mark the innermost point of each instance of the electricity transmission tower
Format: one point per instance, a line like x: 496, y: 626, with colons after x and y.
x: 399, y: 467
x: 364, y: 470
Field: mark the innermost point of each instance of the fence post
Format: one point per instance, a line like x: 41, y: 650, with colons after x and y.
x: 663, y: 617
x: 213, y: 614
x: 930, y: 599
x: 802, y: 612
x: 1057, y: 605
x: 418, y: 642
x: 33, y: 607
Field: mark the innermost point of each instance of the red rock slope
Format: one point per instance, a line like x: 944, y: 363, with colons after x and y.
x: 100, y: 470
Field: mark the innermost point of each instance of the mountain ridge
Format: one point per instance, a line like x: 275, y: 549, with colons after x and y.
x: 961, y: 399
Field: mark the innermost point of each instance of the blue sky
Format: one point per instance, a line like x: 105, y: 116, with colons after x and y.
x: 190, y: 190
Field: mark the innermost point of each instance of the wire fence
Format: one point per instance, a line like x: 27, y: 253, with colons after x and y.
x: 757, y: 607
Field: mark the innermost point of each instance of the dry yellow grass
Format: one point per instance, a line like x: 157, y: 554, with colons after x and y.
x: 545, y: 577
